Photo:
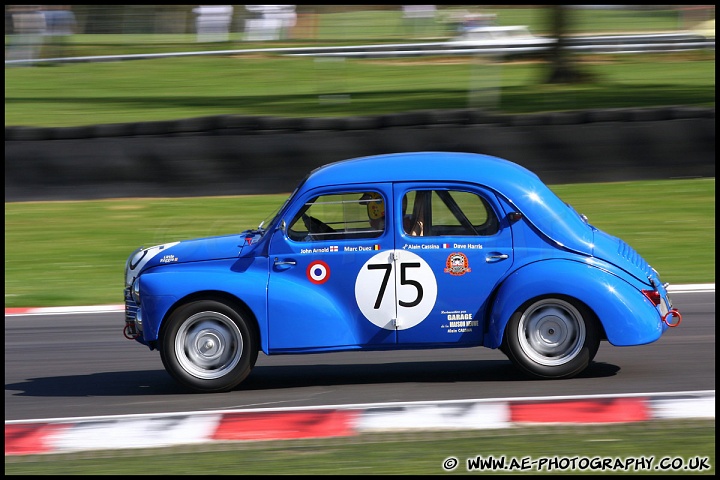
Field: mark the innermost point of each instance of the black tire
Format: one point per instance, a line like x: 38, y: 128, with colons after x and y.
x: 209, y: 346
x: 552, y: 337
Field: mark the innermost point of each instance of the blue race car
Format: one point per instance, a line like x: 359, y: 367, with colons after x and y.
x: 398, y: 251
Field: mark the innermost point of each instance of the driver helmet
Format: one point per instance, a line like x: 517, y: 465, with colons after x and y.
x: 375, y: 205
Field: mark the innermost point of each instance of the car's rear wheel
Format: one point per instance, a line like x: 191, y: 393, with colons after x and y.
x: 552, y: 337
x: 209, y: 346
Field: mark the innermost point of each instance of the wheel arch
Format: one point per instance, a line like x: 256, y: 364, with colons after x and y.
x: 215, y: 295
x: 623, y: 314
x: 552, y: 337
x: 576, y: 302
x: 165, y: 289
x: 209, y: 343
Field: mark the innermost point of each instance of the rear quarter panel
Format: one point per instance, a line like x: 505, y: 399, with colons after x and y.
x: 626, y: 315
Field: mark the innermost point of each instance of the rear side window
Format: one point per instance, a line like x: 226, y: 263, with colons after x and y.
x: 437, y: 213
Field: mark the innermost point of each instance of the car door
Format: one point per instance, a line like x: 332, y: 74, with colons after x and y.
x: 317, y: 276
x: 453, y: 246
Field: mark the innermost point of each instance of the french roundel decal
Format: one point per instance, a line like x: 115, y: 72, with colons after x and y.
x: 396, y: 284
x: 318, y: 272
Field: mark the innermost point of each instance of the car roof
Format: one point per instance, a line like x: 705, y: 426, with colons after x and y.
x: 519, y: 186
x: 496, y: 173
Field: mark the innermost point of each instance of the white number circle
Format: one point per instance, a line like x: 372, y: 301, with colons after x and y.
x: 396, y: 284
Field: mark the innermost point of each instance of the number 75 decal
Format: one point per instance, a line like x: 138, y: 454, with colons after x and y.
x: 396, y: 284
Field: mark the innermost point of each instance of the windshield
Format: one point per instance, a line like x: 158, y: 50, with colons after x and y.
x: 272, y: 219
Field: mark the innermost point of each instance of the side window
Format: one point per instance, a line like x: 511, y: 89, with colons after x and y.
x: 350, y: 215
x: 448, y: 212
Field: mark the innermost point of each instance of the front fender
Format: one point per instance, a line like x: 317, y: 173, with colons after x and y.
x: 165, y: 287
x: 626, y: 315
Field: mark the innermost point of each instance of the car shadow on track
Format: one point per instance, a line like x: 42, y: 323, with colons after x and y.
x: 481, y: 371
x: 158, y: 382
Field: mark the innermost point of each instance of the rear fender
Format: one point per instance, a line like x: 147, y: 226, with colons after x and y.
x: 626, y: 315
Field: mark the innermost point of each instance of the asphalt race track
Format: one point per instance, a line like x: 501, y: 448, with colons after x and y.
x: 80, y: 365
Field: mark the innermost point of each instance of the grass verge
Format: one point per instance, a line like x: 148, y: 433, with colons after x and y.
x: 77, y: 94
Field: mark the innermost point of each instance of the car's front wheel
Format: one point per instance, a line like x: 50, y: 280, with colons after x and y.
x: 209, y: 346
x: 552, y: 337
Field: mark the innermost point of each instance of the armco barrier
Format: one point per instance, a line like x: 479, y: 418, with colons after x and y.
x: 162, y: 430
x: 233, y: 155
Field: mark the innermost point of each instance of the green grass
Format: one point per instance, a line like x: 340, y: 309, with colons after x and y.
x: 669, y: 222
x: 405, y: 453
x: 176, y: 88
x: 73, y: 253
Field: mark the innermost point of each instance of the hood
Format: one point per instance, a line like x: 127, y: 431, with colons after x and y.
x: 195, y: 250
x: 617, y: 252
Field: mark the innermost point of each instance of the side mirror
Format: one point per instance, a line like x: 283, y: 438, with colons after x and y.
x: 514, y: 216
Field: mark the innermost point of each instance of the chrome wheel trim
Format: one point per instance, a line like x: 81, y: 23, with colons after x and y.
x: 551, y: 332
x: 208, y: 345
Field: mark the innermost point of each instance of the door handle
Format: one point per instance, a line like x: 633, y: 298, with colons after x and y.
x: 496, y: 257
x: 284, y: 262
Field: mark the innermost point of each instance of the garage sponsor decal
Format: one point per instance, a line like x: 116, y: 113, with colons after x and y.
x: 396, y: 289
x: 318, y: 272
x: 457, y: 264
x: 458, y: 321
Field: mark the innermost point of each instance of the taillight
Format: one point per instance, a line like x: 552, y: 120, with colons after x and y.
x: 653, y: 296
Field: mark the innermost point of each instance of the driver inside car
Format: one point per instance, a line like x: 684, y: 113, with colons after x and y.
x: 375, y: 210
x: 376, y: 213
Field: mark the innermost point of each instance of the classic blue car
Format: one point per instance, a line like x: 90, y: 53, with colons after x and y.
x: 399, y: 251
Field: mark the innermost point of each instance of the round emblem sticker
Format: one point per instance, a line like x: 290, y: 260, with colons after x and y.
x: 318, y: 272
x: 396, y: 285
x: 457, y: 264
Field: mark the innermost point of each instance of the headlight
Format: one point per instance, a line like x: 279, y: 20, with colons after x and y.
x: 131, y: 263
x: 135, y: 291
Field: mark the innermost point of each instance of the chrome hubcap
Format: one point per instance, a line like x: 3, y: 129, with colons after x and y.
x: 209, y: 345
x: 552, y: 332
